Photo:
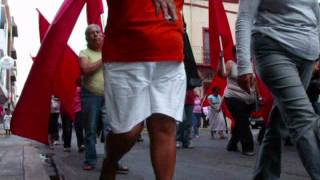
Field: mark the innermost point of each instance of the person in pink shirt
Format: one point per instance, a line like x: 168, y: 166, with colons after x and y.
x: 196, y: 116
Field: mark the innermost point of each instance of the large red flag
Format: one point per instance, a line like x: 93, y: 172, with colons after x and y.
x: 219, y: 26
x: 94, y: 11
x: 31, y: 116
x: 67, y: 74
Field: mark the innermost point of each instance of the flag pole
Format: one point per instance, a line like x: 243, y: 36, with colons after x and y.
x: 221, y: 58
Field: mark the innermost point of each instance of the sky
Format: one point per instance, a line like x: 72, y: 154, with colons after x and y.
x: 27, y: 43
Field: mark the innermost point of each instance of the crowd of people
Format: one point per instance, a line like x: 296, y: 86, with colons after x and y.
x: 134, y: 75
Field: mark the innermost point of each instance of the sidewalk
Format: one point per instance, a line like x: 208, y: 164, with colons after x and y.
x: 19, y: 159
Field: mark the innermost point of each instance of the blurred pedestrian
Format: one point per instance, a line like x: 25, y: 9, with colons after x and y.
x: 285, y: 39
x: 6, y: 121
x: 53, y: 131
x: 144, y: 80
x: 240, y: 104
x: 215, y: 115
x: 196, y: 115
x: 184, y: 135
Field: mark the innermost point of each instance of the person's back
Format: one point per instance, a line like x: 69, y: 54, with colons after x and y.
x: 285, y: 41
x: 233, y: 89
x: 134, y: 33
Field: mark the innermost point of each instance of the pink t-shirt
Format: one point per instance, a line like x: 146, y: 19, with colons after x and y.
x: 77, y: 101
x: 197, y: 105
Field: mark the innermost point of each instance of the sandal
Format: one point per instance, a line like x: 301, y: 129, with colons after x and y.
x: 88, y: 167
x: 121, y: 169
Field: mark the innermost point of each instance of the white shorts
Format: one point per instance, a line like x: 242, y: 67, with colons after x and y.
x: 134, y: 91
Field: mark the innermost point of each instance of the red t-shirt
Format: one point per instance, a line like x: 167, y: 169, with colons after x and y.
x: 135, y: 34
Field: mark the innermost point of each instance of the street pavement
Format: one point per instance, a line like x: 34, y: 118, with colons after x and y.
x: 21, y: 159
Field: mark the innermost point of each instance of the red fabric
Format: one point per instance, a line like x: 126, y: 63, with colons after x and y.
x: 219, y: 26
x: 94, y: 11
x: 134, y: 33
x: 68, y: 72
x: 190, y: 96
x: 31, y: 116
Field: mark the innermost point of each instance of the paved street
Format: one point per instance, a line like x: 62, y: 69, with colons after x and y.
x: 207, y: 161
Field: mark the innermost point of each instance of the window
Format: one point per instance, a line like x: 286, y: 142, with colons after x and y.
x: 206, y: 46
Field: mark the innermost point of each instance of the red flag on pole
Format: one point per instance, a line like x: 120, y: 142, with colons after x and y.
x: 94, y: 11
x: 68, y: 72
x: 221, y: 43
x: 219, y: 29
x: 31, y: 116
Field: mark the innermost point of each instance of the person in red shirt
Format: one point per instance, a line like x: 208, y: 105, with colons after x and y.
x: 144, y: 80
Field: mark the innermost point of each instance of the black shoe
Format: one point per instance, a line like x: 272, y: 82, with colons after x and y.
x: 248, y: 153
x: 121, y: 169
x: 140, y: 139
x: 188, y: 146
x: 232, y: 147
x: 81, y: 149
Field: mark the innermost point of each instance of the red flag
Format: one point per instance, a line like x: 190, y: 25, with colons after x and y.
x: 219, y: 26
x: 31, y: 116
x: 94, y: 11
x: 68, y: 72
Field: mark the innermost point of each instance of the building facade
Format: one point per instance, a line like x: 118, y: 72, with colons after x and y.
x: 196, y: 16
x: 8, y: 70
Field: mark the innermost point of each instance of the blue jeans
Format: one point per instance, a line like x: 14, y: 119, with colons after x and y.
x: 196, y: 122
x: 92, y: 111
x: 287, y: 77
x: 184, y: 128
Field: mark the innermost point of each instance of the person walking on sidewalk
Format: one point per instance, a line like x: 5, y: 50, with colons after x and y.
x: 196, y: 116
x: 92, y: 99
x: 92, y: 90
x: 184, y: 128
x: 78, y: 125
x: 53, y: 130
x: 215, y: 114
x: 6, y: 121
x: 240, y: 104
x: 285, y: 38
x: 144, y: 79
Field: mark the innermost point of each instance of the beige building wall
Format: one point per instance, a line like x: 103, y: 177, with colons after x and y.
x: 197, y: 19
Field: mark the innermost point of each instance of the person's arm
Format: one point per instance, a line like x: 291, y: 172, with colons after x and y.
x: 87, y: 67
x: 246, y: 15
x: 317, y: 11
x: 168, y: 7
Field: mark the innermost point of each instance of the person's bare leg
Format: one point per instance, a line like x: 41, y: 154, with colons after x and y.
x: 117, y: 146
x: 162, y: 132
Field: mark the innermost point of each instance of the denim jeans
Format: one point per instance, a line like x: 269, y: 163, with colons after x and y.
x: 79, y: 128
x: 92, y: 111
x: 184, y: 128
x: 286, y: 76
x: 196, y: 123
x: 66, y: 130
